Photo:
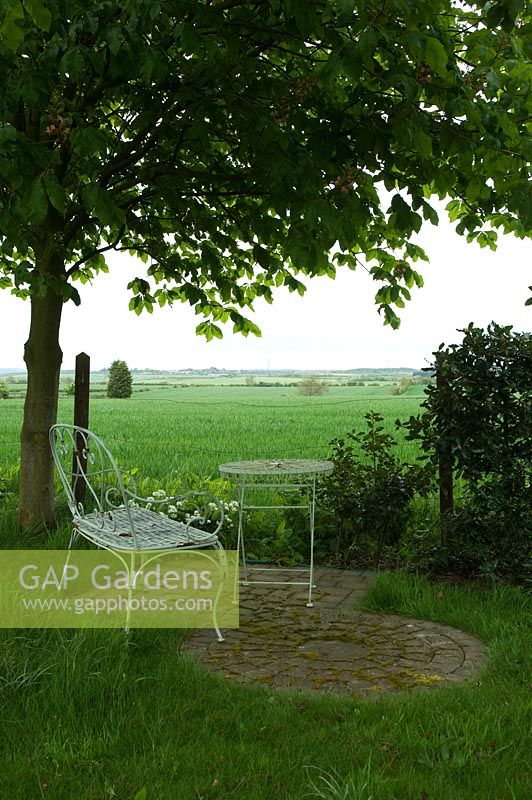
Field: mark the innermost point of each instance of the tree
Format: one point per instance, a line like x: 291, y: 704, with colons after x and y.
x: 120, y: 380
x: 312, y: 386
x: 481, y: 409
x: 404, y: 384
x: 235, y: 145
x: 4, y: 390
x: 478, y: 415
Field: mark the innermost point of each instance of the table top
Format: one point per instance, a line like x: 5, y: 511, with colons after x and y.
x: 272, y: 467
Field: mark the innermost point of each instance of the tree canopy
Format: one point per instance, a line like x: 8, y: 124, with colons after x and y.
x: 234, y: 145
x: 238, y: 145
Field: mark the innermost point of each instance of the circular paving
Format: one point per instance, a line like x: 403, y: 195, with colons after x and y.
x: 332, y: 647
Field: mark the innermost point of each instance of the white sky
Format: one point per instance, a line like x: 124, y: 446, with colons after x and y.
x: 335, y: 326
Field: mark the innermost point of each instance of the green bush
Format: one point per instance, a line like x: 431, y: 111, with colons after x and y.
x: 491, y: 533
x: 480, y: 414
x: 369, y: 492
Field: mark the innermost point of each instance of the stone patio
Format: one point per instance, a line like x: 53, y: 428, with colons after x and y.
x: 333, y: 647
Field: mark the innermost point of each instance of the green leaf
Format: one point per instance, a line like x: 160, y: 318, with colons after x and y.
x: 55, y: 192
x: 423, y: 143
x: 88, y: 140
x: 105, y: 208
x: 37, y: 202
x: 114, y: 38
x: 346, y: 10
x: 73, y: 63
x: 303, y: 13
x: 88, y: 196
x: 41, y: 16
x: 352, y: 63
x: 402, y: 211
x: 142, y: 794
x: 368, y: 44
x: 436, y: 56
x: 11, y: 34
x: 209, y: 330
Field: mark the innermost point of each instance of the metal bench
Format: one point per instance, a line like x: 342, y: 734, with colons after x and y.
x: 114, y: 517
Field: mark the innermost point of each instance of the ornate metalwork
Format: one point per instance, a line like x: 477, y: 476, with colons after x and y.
x: 113, y: 516
x: 296, y: 474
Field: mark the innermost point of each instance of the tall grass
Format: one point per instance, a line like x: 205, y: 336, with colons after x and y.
x: 97, y: 715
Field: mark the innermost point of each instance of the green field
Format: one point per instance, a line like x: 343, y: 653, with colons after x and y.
x: 194, y: 429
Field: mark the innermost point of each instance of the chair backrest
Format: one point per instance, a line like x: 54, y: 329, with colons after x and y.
x: 83, y: 460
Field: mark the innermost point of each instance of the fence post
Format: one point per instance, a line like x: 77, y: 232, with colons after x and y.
x: 445, y: 461
x: 81, y: 418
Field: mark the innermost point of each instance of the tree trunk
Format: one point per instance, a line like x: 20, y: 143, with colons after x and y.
x: 43, y: 357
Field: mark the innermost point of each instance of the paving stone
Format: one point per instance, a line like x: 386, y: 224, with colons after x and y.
x: 332, y: 647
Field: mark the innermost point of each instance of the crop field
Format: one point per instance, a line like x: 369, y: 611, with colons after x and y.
x: 194, y: 429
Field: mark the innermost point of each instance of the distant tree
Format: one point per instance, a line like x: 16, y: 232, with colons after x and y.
x: 70, y: 388
x: 250, y: 380
x: 120, y: 380
x: 403, y: 385
x: 4, y: 390
x: 311, y: 386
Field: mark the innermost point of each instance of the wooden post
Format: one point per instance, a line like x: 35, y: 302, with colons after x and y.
x: 81, y: 417
x: 445, y: 462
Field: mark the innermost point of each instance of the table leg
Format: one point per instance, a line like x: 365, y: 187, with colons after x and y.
x: 311, y: 493
x: 240, y: 541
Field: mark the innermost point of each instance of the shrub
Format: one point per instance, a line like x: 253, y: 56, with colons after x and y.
x: 4, y: 390
x: 120, y: 380
x: 311, y: 386
x: 480, y: 414
x: 404, y: 384
x: 491, y: 533
x: 370, y: 491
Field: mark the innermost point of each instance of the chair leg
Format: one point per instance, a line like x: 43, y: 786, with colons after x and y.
x: 73, y: 538
x: 130, y: 578
x: 223, y: 571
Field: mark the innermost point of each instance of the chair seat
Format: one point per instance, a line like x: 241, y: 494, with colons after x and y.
x: 153, y: 531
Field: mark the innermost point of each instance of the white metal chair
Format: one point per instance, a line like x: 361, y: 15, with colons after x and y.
x: 115, y: 518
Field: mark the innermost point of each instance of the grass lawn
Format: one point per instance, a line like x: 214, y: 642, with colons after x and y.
x: 95, y: 715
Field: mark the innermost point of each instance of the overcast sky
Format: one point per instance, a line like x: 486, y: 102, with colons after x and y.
x: 334, y: 326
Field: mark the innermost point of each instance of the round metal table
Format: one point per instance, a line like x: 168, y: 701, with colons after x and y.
x: 291, y: 474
